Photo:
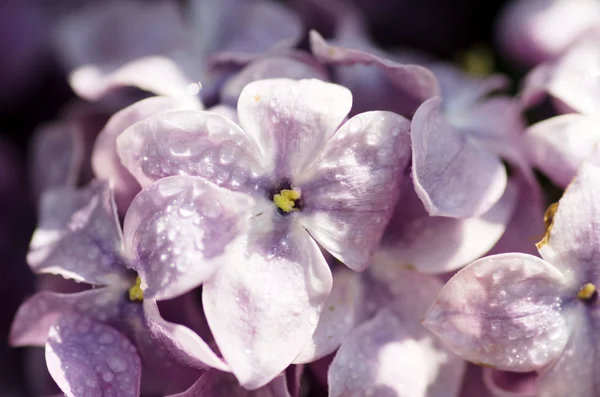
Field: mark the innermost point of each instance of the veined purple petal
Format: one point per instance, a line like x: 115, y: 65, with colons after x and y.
x: 178, y: 230
x: 263, y: 307
x: 453, y: 175
x: 105, y: 159
x: 90, y: 359
x: 377, y: 83
x: 291, y: 121
x: 437, y: 244
x: 352, y: 190
x: 78, y: 235
x: 503, y: 311
x: 188, y: 142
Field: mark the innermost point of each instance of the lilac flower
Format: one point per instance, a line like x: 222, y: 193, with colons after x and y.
x: 288, y: 178
x: 459, y: 141
x: 175, y: 61
x: 558, y: 145
x: 521, y: 313
x: 385, y: 350
x: 535, y: 31
x: 79, y: 237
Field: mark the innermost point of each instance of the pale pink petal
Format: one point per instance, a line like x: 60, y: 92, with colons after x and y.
x: 510, y: 384
x: 558, y: 145
x: 105, y: 159
x: 503, y: 311
x: 90, y: 359
x: 291, y: 121
x: 177, y: 231
x: 188, y: 142
x: 453, y: 175
x: 353, y: 188
x: 262, y: 307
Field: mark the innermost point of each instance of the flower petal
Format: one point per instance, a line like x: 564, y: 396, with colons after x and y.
x: 263, y: 308
x: 179, y: 344
x: 78, y: 235
x: 571, y: 242
x: 37, y: 314
x: 177, y: 230
x: 90, y: 359
x: 291, y: 121
x: 351, y: 192
x: 187, y: 142
x: 503, y: 311
x: 574, y: 373
x: 558, y: 145
x: 214, y: 383
x: 292, y: 65
x: 377, y: 83
x: 160, y: 75
x: 453, y: 175
x: 380, y: 358
x: 105, y: 159
x: 575, y: 76
x: 412, y: 233
x: 340, y: 315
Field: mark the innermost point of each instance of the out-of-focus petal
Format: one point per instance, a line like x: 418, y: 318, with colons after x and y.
x: 291, y: 121
x: 340, y: 315
x: 503, y: 311
x: 453, y: 175
x: 262, y: 307
x: 188, y: 142
x: 437, y: 244
x: 156, y: 74
x: 557, y: 146
x: 105, y: 159
x: 90, y: 359
x: 291, y: 65
x: 377, y: 83
x: 354, y: 187
x: 57, y: 155
x: 379, y: 358
x: 177, y: 231
x: 78, y: 235
x: 534, y: 31
x: 571, y: 242
x: 106, y: 32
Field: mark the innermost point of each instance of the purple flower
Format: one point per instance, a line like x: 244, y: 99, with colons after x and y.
x: 166, y: 55
x: 79, y: 237
x: 293, y: 175
x: 535, y: 31
x: 520, y: 313
x: 459, y: 141
x: 375, y: 319
x: 558, y: 145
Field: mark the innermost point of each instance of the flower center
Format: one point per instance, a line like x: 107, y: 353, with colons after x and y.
x: 587, y: 292
x: 135, y: 292
x: 288, y: 200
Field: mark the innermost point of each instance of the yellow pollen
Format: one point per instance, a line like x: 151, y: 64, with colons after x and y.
x: 135, y: 292
x: 586, y: 292
x: 285, y: 200
x: 257, y: 98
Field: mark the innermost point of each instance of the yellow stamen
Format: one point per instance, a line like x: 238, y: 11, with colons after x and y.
x: 285, y: 200
x: 478, y: 61
x: 587, y: 292
x: 135, y: 292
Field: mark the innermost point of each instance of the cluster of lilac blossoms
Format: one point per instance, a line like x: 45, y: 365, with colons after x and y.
x: 251, y: 198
